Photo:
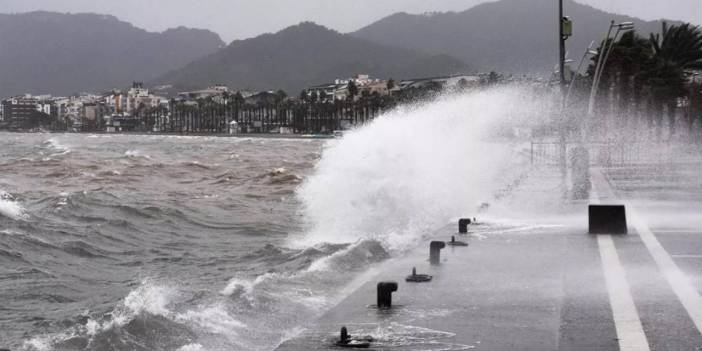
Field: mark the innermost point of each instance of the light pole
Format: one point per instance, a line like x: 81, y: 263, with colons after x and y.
x: 565, y: 30
x: 588, y: 52
x: 561, y: 46
x: 602, y: 60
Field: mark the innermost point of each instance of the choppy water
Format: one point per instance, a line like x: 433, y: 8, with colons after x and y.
x: 105, y: 238
x: 126, y: 242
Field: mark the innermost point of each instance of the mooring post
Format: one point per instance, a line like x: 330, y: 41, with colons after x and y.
x: 463, y: 224
x: 435, y: 252
x: 385, y: 290
x: 344, y: 335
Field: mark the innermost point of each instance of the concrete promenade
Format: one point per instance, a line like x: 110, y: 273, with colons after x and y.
x: 549, y: 287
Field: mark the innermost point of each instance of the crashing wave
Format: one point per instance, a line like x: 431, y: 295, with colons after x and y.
x: 11, y: 208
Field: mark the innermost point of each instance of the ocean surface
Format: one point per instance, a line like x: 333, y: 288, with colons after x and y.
x: 139, y: 242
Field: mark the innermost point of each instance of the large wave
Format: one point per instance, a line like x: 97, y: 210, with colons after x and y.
x: 412, y: 170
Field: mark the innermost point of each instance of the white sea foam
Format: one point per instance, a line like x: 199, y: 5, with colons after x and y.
x: 214, y: 319
x: 191, y: 347
x: 53, y: 143
x: 11, y: 208
x: 149, y: 297
x: 136, y: 154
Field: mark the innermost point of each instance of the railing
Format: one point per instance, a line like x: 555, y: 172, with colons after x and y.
x: 616, y: 153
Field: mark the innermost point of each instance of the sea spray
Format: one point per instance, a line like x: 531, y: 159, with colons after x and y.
x: 412, y: 170
x: 11, y: 208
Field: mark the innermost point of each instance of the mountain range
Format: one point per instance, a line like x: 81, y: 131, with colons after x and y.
x: 512, y: 36
x: 304, y: 55
x: 45, y: 52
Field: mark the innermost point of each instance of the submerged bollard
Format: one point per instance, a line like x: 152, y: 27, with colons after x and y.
x: 347, y: 341
x: 455, y: 242
x: 385, y: 290
x: 607, y: 219
x: 435, y: 251
x: 463, y: 224
x: 418, y: 278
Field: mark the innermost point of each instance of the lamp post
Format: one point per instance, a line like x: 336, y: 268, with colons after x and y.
x: 589, y: 52
x: 602, y: 60
x: 565, y: 30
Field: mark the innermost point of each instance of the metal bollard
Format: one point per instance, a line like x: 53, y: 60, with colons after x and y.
x: 385, y: 290
x: 344, y: 335
x: 463, y: 224
x: 435, y: 252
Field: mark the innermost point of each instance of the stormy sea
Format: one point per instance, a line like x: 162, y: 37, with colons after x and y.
x: 154, y: 242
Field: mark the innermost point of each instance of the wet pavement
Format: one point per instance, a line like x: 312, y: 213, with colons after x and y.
x: 548, y: 287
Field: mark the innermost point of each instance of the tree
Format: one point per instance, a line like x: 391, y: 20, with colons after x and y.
x: 280, y: 96
x: 676, y: 50
x: 493, y: 78
x: 353, y: 89
x: 391, y: 84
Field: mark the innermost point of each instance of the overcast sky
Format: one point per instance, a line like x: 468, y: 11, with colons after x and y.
x: 238, y: 19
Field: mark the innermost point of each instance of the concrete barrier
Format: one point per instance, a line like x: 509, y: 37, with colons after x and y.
x: 607, y: 219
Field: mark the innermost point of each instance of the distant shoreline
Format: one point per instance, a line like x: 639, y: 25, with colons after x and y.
x: 220, y: 135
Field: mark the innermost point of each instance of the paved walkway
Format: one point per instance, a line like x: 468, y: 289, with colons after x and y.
x: 547, y: 287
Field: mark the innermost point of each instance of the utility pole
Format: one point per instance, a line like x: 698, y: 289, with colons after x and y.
x: 561, y: 46
x: 561, y: 68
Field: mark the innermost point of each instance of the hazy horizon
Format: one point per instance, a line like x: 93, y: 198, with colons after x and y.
x: 238, y: 19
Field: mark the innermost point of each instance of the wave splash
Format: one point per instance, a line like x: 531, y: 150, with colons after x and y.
x: 411, y: 171
x: 11, y: 208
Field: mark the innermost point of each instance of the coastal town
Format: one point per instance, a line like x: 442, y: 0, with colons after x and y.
x: 221, y: 109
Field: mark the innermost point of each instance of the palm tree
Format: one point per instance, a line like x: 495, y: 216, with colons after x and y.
x: 629, y: 58
x: 676, y: 50
x: 353, y: 89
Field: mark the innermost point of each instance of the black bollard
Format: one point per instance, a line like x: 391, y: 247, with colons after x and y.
x: 454, y: 242
x: 435, y: 252
x: 607, y: 219
x: 385, y: 290
x: 344, y: 335
x: 348, y: 341
x: 463, y: 224
x: 418, y: 278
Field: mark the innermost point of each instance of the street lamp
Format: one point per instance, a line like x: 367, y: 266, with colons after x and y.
x: 589, y: 52
x: 602, y: 61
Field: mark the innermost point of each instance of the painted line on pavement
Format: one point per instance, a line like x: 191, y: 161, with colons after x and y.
x: 630, y: 333
x: 626, y: 319
x: 681, y: 284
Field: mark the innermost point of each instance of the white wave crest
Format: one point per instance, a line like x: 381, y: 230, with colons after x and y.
x: 11, y: 208
x: 411, y: 171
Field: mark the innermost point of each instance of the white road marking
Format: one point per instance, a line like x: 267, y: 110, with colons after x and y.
x: 626, y: 319
x: 683, y: 288
x: 679, y: 282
